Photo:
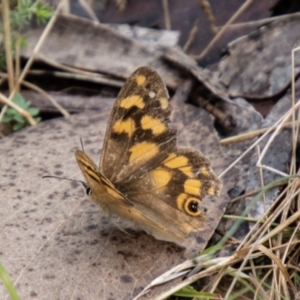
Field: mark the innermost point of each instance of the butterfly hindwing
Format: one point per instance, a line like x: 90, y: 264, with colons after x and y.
x: 172, y: 192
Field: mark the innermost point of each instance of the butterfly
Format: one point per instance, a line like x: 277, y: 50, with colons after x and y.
x: 143, y: 177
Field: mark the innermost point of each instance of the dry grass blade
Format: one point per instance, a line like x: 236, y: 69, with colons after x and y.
x: 46, y: 95
x: 281, y: 227
x: 39, y: 45
x: 280, y: 273
x: 267, y: 242
x: 191, y: 37
x: 277, y: 126
x: 249, y: 135
x: 14, y: 86
x: 8, y: 43
x: 205, y: 5
x: 166, y: 14
x: 261, y: 237
x: 80, y: 74
x: 278, y: 264
x: 21, y: 111
x: 9, y: 64
x: 42, y: 92
x: 247, y: 257
x: 295, y: 124
x: 87, y: 7
x: 96, y: 79
x: 210, y: 267
x: 295, y: 131
x: 224, y: 28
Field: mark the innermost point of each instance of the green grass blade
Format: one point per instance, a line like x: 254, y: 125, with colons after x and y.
x: 8, y: 284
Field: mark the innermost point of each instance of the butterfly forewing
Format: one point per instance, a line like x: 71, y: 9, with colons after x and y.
x: 138, y: 135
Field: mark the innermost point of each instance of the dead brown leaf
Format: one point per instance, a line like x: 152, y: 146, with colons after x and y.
x: 102, y: 49
x: 54, y: 242
x: 259, y: 64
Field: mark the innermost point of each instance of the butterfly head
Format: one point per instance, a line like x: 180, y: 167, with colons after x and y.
x: 98, y: 187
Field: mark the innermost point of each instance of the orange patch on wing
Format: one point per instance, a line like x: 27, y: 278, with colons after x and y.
x: 155, y: 125
x: 205, y: 171
x: 212, y: 191
x: 160, y: 178
x: 140, y: 79
x: 180, y: 200
x: 179, y: 162
x: 193, y: 187
x: 170, y: 156
x: 175, y: 162
x: 163, y: 102
x: 187, y: 171
x: 127, y: 126
x: 144, y: 151
x: 134, y: 100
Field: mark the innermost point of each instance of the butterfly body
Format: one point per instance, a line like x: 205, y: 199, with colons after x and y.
x: 143, y: 177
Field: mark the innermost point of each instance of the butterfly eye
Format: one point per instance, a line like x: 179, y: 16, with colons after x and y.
x: 191, y: 206
x: 88, y: 191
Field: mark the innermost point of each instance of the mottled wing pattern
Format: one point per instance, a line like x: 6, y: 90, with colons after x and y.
x: 173, y: 192
x: 138, y: 136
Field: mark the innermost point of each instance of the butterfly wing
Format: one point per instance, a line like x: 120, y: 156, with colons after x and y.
x: 99, y: 188
x: 171, y: 194
x: 138, y: 136
x: 166, y: 184
x: 103, y: 193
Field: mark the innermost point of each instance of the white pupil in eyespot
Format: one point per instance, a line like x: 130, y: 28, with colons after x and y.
x: 193, y: 206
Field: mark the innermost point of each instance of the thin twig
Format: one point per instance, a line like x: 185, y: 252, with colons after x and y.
x: 257, y: 23
x: 205, y: 5
x: 18, y: 61
x: 28, y: 65
x: 282, y: 120
x: 80, y: 74
x: 249, y: 135
x: 220, y: 33
x: 191, y: 37
x: 166, y: 14
x: 65, y: 7
x: 276, y: 131
x: 39, y: 43
x: 8, y: 44
x: 21, y: 111
x: 42, y: 92
x: 295, y: 132
x: 88, y: 9
x: 49, y: 97
x: 98, y: 78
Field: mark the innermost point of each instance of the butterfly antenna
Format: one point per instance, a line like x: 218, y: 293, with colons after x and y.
x: 86, y: 187
x: 82, y: 145
x: 64, y: 178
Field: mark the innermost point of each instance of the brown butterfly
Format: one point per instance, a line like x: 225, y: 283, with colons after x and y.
x: 143, y: 177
